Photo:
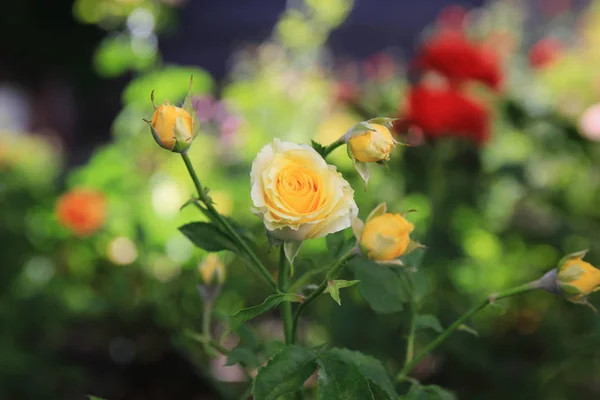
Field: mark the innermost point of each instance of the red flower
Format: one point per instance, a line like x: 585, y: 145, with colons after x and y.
x: 82, y: 211
x: 451, y: 54
x: 446, y: 112
x: 545, y: 52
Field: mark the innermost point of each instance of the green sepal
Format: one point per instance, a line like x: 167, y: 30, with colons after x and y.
x: 570, y: 274
x: 188, y: 106
x: 319, y: 148
x: 569, y: 290
x: 377, y: 211
x: 358, y: 226
x: 358, y: 129
x: 412, y: 246
x: 291, y: 250
x: 155, y: 135
x: 273, y: 241
x: 572, y: 256
x: 360, y: 167
x: 387, y: 122
x: 391, y: 263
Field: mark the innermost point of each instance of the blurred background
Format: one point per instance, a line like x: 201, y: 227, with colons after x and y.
x: 499, y: 102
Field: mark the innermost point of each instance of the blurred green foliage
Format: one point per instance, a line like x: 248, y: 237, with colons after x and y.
x: 491, y: 218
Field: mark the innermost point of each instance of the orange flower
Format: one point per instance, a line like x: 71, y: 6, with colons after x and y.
x: 82, y: 211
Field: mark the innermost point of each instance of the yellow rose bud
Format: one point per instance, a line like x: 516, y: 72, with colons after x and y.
x: 372, y: 146
x: 385, y: 237
x: 172, y: 127
x: 577, y: 278
x: 212, y: 270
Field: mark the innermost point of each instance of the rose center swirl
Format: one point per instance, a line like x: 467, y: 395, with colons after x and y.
x: 299, y: 188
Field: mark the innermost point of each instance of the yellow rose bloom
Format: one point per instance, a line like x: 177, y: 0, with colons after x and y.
x: 577, y: 279
x: 172, y: 127
x: 297, y: 194
x: 385, y: 237
x: 372, y: 146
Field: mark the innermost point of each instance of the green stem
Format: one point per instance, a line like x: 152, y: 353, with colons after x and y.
x: 332, y: 274
x: 333, y: 146
x: 206, y: 319
x: 203, y: 210
x: 410, y: 342
x: 460, y: 321
x: 207, y: 341
x: 223, y: 222
x: 284, y: 285
x: 306, y: 277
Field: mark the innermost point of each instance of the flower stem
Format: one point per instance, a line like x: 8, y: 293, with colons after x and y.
x: 207, y: 319
x: 460, y: 321
x: 284, y: 285
x: 306, y: 277
x: 410, y: 342
x: 332, y: 274
x: 333, y: 146
x: 262, y: 270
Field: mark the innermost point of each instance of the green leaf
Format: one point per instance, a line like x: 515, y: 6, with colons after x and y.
x: 333, y: 288
x: 428, y: 322
x: 285, y: 373
x: 270, y: 302
x: 420, y: 285
x: 319, y: 148
x: 334, y: 291
x: 271, y: 348
x: 244, y: 356
x: 379, y: 380
x: 339, y: 379
x: 381, y: 287
x: 90, y: 397
x: 431, y: 392
x: 247, y: 337
x: 207, y: 236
